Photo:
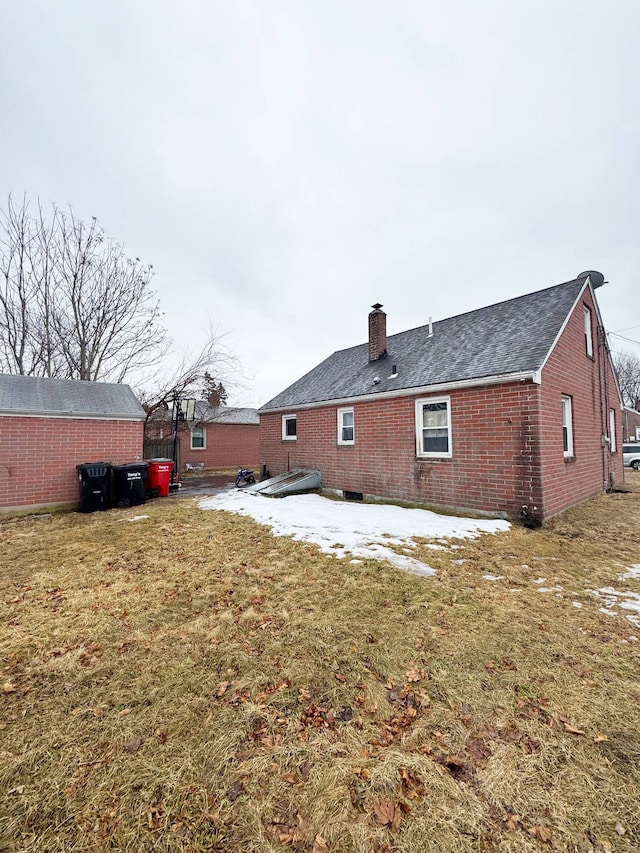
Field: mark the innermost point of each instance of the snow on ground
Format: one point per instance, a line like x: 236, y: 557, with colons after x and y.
x: 353, y: 529
x: 625, y: 599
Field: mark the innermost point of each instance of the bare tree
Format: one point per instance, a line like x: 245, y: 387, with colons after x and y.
x: 193, y: 376
x: 72, y: 304
x: 628, y: 370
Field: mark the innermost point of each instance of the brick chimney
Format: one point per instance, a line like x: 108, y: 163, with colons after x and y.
x: 377, y: 333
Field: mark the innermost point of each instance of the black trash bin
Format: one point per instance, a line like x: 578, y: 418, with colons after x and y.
x: 129, y: 484
x: 95, y: 486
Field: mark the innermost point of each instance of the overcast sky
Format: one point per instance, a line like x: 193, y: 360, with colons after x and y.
x: 285, y: 164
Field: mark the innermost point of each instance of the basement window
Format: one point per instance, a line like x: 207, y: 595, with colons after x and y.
x: 346, y: 434
x: 198, y: 439
x: 289, y: 427
x: 433, y: 428
x: 567, y: 428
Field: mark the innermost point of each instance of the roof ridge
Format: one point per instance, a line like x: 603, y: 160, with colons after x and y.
x: 467, y: 313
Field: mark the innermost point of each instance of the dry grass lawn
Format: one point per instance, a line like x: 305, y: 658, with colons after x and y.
x: 188, y: 682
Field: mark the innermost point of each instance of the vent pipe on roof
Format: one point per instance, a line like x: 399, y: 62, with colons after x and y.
x: 430, y: 328
x: 377, y: 333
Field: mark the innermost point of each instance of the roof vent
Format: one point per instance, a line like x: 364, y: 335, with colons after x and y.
x: 596, y: 278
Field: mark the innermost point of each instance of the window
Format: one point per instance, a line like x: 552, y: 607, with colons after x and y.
x: 433, y: 428
x: 198, y: 438
x: 612, y: 430
x: 588, y: 339
x: 567, y: 428
x: 289, y: 427
x: 346, y: 433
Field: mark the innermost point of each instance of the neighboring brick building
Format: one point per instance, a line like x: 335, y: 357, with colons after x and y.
x: 631, y: 420
x: 48, y: 426
x: 219, y: 437
x: 513, y: 409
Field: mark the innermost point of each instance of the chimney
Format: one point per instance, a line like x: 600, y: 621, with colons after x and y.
x: 377, y: 333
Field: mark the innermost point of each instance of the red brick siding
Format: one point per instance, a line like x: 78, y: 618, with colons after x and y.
x: 38, y: 456
x: 631, y: 424
x: 227, y: 446
x: 495, y: 450
x: 571, y: 372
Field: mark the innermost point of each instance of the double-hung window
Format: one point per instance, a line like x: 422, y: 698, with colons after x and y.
x: 567, y: 428
x: 346, y: 427
x: 588, y: 337
x: 433, y: 428
x: 289, y: 427
x: 198, y: 438
x: 612, y: 430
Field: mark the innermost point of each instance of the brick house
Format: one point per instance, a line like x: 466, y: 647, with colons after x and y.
x: 219, y: 437
x: 631, y: 421
x: 513, y: 409
x: 48, y: 426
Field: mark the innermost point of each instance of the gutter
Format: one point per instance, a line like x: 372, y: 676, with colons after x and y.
x: 84, y: 416
x: 534, y: 376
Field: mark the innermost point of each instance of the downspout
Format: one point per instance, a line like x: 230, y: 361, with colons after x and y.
x: 603, y: 412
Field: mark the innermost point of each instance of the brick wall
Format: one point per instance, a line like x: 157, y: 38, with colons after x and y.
x: 589, y: 381
x: 631, y: 425
x: 227, y: 446
x: 494, y: 440
x: 38, y: 456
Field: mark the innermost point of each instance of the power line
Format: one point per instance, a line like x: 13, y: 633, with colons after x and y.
x: 622, y: 337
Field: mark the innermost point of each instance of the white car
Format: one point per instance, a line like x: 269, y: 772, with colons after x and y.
x: 631, y: 456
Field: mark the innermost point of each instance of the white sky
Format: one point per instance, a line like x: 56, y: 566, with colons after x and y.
x: 284, y: 165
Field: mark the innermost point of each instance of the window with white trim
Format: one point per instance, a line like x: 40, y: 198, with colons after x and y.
x: 198, y: 438
x: 588, y: 337
x: 346, y: 427
x: 612, y: 430
x: 567, y: 427
x: 289, y: 427
x: 433, y: 428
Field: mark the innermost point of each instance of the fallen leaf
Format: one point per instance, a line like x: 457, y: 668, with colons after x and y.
x: 512, y: 822
x: 9, y: 687
x: 133, y: 745
x: 598, y: 738
x: 384, y: 812
x: 290, y: 778
x: 414, y: 674
x: 572, y: 729
x: 161, y: 734
x: 235, y: 791
x: 339, y: 676
x: 221, y: 688
x: 541, y: 833
x: 319, y: 845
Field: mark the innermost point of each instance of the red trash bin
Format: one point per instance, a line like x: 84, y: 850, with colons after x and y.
x: 159, y: 477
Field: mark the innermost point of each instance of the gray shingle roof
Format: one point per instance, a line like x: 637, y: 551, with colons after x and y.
x: 37, y: 395
x: 225, y: 415
x: 509, y: 337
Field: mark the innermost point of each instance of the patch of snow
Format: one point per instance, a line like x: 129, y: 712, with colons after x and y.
x: 577, y: 604
x: 550, y: 589
x: 633, y: 573
x: 137, y: 517
x: 539, y: 580
x: 624, y: 599
x: 312, y: 518
x: 491, y: 577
